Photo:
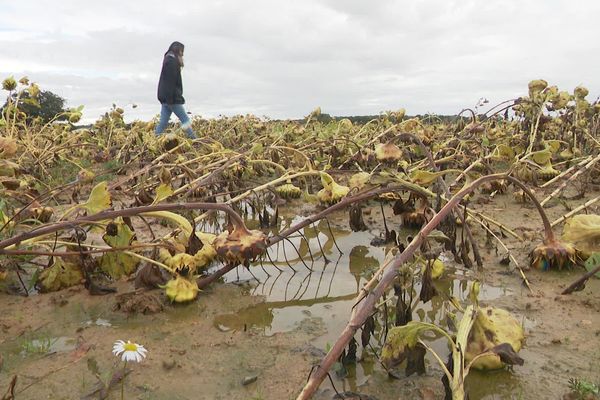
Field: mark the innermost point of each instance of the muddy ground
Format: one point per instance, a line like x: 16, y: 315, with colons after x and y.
x: 256, y: 335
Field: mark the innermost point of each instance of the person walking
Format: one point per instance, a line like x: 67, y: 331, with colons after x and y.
x: 170, y: 90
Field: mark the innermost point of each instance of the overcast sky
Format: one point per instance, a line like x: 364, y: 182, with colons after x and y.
x: 284, y: 58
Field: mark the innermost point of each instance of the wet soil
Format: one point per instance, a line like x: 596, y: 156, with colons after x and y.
x: 48, y: 340
x: 257, y: 334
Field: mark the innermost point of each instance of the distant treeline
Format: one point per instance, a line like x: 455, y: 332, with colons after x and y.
x: 363, y: 119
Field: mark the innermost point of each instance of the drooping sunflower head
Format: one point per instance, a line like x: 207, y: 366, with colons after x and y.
x: 554, y: 255
x: 240, y: 246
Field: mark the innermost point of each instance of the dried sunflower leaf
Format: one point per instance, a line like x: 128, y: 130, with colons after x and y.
x: 584, y: 232
x: 163, y: 191
x: 117, y: 264
x: 99, y: 199
x: 59, y: 275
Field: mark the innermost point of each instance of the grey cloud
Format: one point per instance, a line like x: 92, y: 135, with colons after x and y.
x: 284, y: 58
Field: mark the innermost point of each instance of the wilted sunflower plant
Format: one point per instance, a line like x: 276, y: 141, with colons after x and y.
x: 486, y: 338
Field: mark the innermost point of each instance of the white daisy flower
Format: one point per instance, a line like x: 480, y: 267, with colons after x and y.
x: 131, y: 351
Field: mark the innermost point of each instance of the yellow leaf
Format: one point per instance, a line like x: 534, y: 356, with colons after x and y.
x: 437, y: 268
x: 503, y: 151
x: 99, y: 199
x: 162, y: 192
x: 176, y: 218
x: 401, y: 339
x: 584, y: 232
x: 474, y: 293
x: 492, y: 327
x: 541, y: 157
x: 326, y: 180
x: 359, y: 180
x: 552, y: 145
x: 118, y: 264
x: 421, y: 177
x: 331, y: 192
x: 59, y: 275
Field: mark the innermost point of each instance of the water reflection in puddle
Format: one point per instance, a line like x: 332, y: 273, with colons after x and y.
x: 47, y: 345
x: 99, y: 322
x: 325, y: 286
x: 294, y: 292
x: 326, y: 290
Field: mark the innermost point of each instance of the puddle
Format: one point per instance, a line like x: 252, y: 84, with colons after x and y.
x: 34, y: 346
x: 323, y: 288
x: 326, y: 287
x: 99, y: 322
x: 47, y: 345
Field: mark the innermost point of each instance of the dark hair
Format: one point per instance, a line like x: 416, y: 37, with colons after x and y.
x: 176, y: 48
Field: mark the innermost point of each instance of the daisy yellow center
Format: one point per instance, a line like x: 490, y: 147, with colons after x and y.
x: 130, y: 347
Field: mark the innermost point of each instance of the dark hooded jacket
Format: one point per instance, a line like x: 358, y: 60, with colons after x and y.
x: 170, y: 88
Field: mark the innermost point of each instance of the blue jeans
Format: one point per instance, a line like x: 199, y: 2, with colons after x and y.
x: 165, y: 114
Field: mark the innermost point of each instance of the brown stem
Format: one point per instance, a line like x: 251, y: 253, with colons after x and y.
x: 577, y: 284
x: 211, y: 176
x: 128, y: 212
x: 207, y: 280
x: 512, y: 101
x: 461, y: 217
x: 473, y: 117
x: 549, y: 235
